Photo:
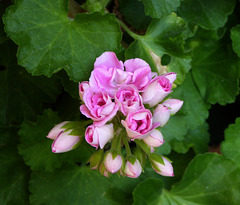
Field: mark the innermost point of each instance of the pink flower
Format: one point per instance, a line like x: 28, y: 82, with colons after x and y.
x: 155, y: 139
x: 141, y: 72
x: 139, y: 124
x: 165, y: 169
x: 156, y: 90
x: 98, y: 106
x: 99, y: 136
x: 109, y: 73
x: 133, y: 170
x: 65, y: 142
x: 174, y: 105
x: 161, y: 114
x: 112, y: 164
x: 83, y: 86
x: 55, y: 131
x: 128, y: 99
x: 171, y: 76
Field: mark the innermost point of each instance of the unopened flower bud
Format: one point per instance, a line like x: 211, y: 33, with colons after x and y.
x: 161, y: 114
x: 65, y: 142
x: 174, y: 105
x: 155, y: 139
x: 113, y: 162
x: 161, y: 165
x: 83, y: 86
x: 55, y: 131
x: 133, y: 167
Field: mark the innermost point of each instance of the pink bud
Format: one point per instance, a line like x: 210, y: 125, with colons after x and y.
x: 155, y: 139
x: 156, y: 90
x: 133, y: 170
x: 55, y: 131
x: 113, y: 164
x: 161, y: 114
x: 165, y: 169
x: 173, y: 104
x: 99, y: 136
x: 83, y: 86
x: 65, y: 142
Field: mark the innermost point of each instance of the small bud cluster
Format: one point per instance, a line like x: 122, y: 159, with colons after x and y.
x: 116, y: 98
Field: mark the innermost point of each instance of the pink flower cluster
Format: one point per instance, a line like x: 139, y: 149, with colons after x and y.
x: 115, y: 98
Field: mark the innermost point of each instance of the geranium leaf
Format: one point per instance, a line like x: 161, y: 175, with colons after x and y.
x: 209, y: 179
x: 230, y: 147
x: 36, y: 148
x: 49, y: 40
x: 164, y: 36
x: 158, y: 8
x: 188, y: 117
x: 23, y: 96
x: 215, y: 69
x: 13, y: 172
x: 201, y: 12
x: 235, y: 36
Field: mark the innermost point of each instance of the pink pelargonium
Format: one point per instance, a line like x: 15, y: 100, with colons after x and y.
x: 157, y: 90
x: 109, y: 73
x: 141, y: 72
x: 98, y: 106
x: 139, y: 124
x: 83, y: 86
x: 99, y: 136
x: 128, y: 99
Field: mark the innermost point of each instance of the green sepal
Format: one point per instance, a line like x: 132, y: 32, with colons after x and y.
x: 141, y: 156
x: 157, y: 158
x: 77, y: 132
x: 96, y: 158
x: 72, y: 125
x: 132, y: 159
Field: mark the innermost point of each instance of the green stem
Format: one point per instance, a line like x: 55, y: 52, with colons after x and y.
x: 143, y: 146
x: 116, y: 142
x: 132, y: 34
x: 126, y: 144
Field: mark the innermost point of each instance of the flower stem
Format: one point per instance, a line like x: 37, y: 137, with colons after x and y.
x: 116, y: 142
x: 126, y: 144
x: 143, y: 146
x: 132, y: 34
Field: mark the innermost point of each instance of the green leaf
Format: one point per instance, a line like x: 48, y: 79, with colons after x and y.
x: 235, y: 36
x: 131, y: 9
x: 188, y: 118
x: 36, y: 148
x: 13, y: 172
x: 209, y: 14
x: 49, y: 41
x: 197, y: 138
x: 72, y: 185
x: 22, y: 96
x: 147, y: 191
x: 158, y: 8
x: 215, y: 69
x: 209, y: 179
x: 164, y: 36
x: 230, y: 147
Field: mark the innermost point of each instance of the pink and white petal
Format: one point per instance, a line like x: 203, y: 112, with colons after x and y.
x: 85, y: 111
x: 110, y: 60
x: 133, y: 64
x: 171, y: 77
